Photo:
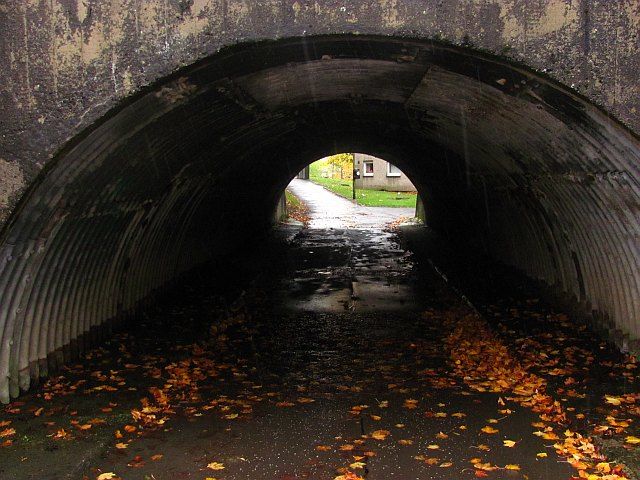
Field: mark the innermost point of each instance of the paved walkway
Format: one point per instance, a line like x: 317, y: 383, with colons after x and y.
x: 328, y: 210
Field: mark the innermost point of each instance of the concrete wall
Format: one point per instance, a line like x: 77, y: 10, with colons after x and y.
x: 66, y: 63
x: 380, y: 179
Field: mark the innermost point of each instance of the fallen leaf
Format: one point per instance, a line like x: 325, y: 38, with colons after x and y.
x: 106, y: 476
x: 489, y: 430
x: 215, y: 466
x: 380, y: 434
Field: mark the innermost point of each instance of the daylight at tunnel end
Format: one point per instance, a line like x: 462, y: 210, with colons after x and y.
x: 509, y: 163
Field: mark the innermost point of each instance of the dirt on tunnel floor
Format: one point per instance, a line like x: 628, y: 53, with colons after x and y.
x: 334, y: 353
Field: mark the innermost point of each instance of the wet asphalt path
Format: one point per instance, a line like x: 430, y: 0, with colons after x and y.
x: 331, y: 368
x: 330, y: 211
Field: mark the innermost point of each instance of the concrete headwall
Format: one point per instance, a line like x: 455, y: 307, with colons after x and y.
x: 66, y: 63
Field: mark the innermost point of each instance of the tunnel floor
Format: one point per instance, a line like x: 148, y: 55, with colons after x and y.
x: 334, y: 353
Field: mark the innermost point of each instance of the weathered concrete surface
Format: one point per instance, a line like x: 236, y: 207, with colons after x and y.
x: 66, y: 63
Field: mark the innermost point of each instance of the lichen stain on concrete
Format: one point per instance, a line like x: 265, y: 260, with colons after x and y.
x: 391, y: 16
x: 556, y: 15
x: 237, y: 10
x: 11, y: 186
x: 629, y: 12
x: 197, y: 19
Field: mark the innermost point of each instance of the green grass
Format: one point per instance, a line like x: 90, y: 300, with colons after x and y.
x: 369, y: 198
x: 292, y: 199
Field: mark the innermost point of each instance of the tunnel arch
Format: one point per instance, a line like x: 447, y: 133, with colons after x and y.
x: 514, y: 164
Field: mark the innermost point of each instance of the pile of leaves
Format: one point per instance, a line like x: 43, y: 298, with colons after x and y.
x: 486, y: 364
x: 297, y: 209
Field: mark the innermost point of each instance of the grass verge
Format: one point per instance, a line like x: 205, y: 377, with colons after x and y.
x: 369, y: 198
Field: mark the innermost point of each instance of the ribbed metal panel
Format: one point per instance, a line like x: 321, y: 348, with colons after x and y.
x: 522, y: 169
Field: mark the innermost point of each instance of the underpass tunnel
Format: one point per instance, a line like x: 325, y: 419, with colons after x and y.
x: 509, y: 164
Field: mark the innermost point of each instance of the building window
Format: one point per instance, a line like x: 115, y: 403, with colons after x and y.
x: 368, y: 169
x: 393, y: 171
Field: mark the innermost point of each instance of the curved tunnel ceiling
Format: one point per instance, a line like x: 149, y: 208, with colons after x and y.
x: 508, y: 163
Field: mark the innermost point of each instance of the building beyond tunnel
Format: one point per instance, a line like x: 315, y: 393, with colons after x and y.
x: 378, y: 174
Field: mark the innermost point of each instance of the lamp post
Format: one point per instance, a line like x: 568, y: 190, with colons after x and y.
x: 353, y: 177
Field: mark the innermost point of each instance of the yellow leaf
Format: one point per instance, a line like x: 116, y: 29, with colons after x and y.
x: 215, y: 466
x: 509, y: 443
x: 541, y: 455
x: 512, y: 467
x: 380, y: 434
x: 612, y: 400
x: 121, y: 445
x: 106, y: 476
x: 632, y: 440
x: 433, y: 447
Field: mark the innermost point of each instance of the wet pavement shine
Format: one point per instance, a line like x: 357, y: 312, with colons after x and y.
x: 331, y: 363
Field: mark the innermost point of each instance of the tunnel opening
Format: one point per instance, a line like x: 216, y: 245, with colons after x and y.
x: 350, y: 190
x: 514, y: 165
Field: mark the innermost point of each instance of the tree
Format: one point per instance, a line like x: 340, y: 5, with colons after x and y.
x: 341, y: 164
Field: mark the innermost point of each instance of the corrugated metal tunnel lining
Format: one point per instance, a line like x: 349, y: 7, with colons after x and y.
x: 506, y: 161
